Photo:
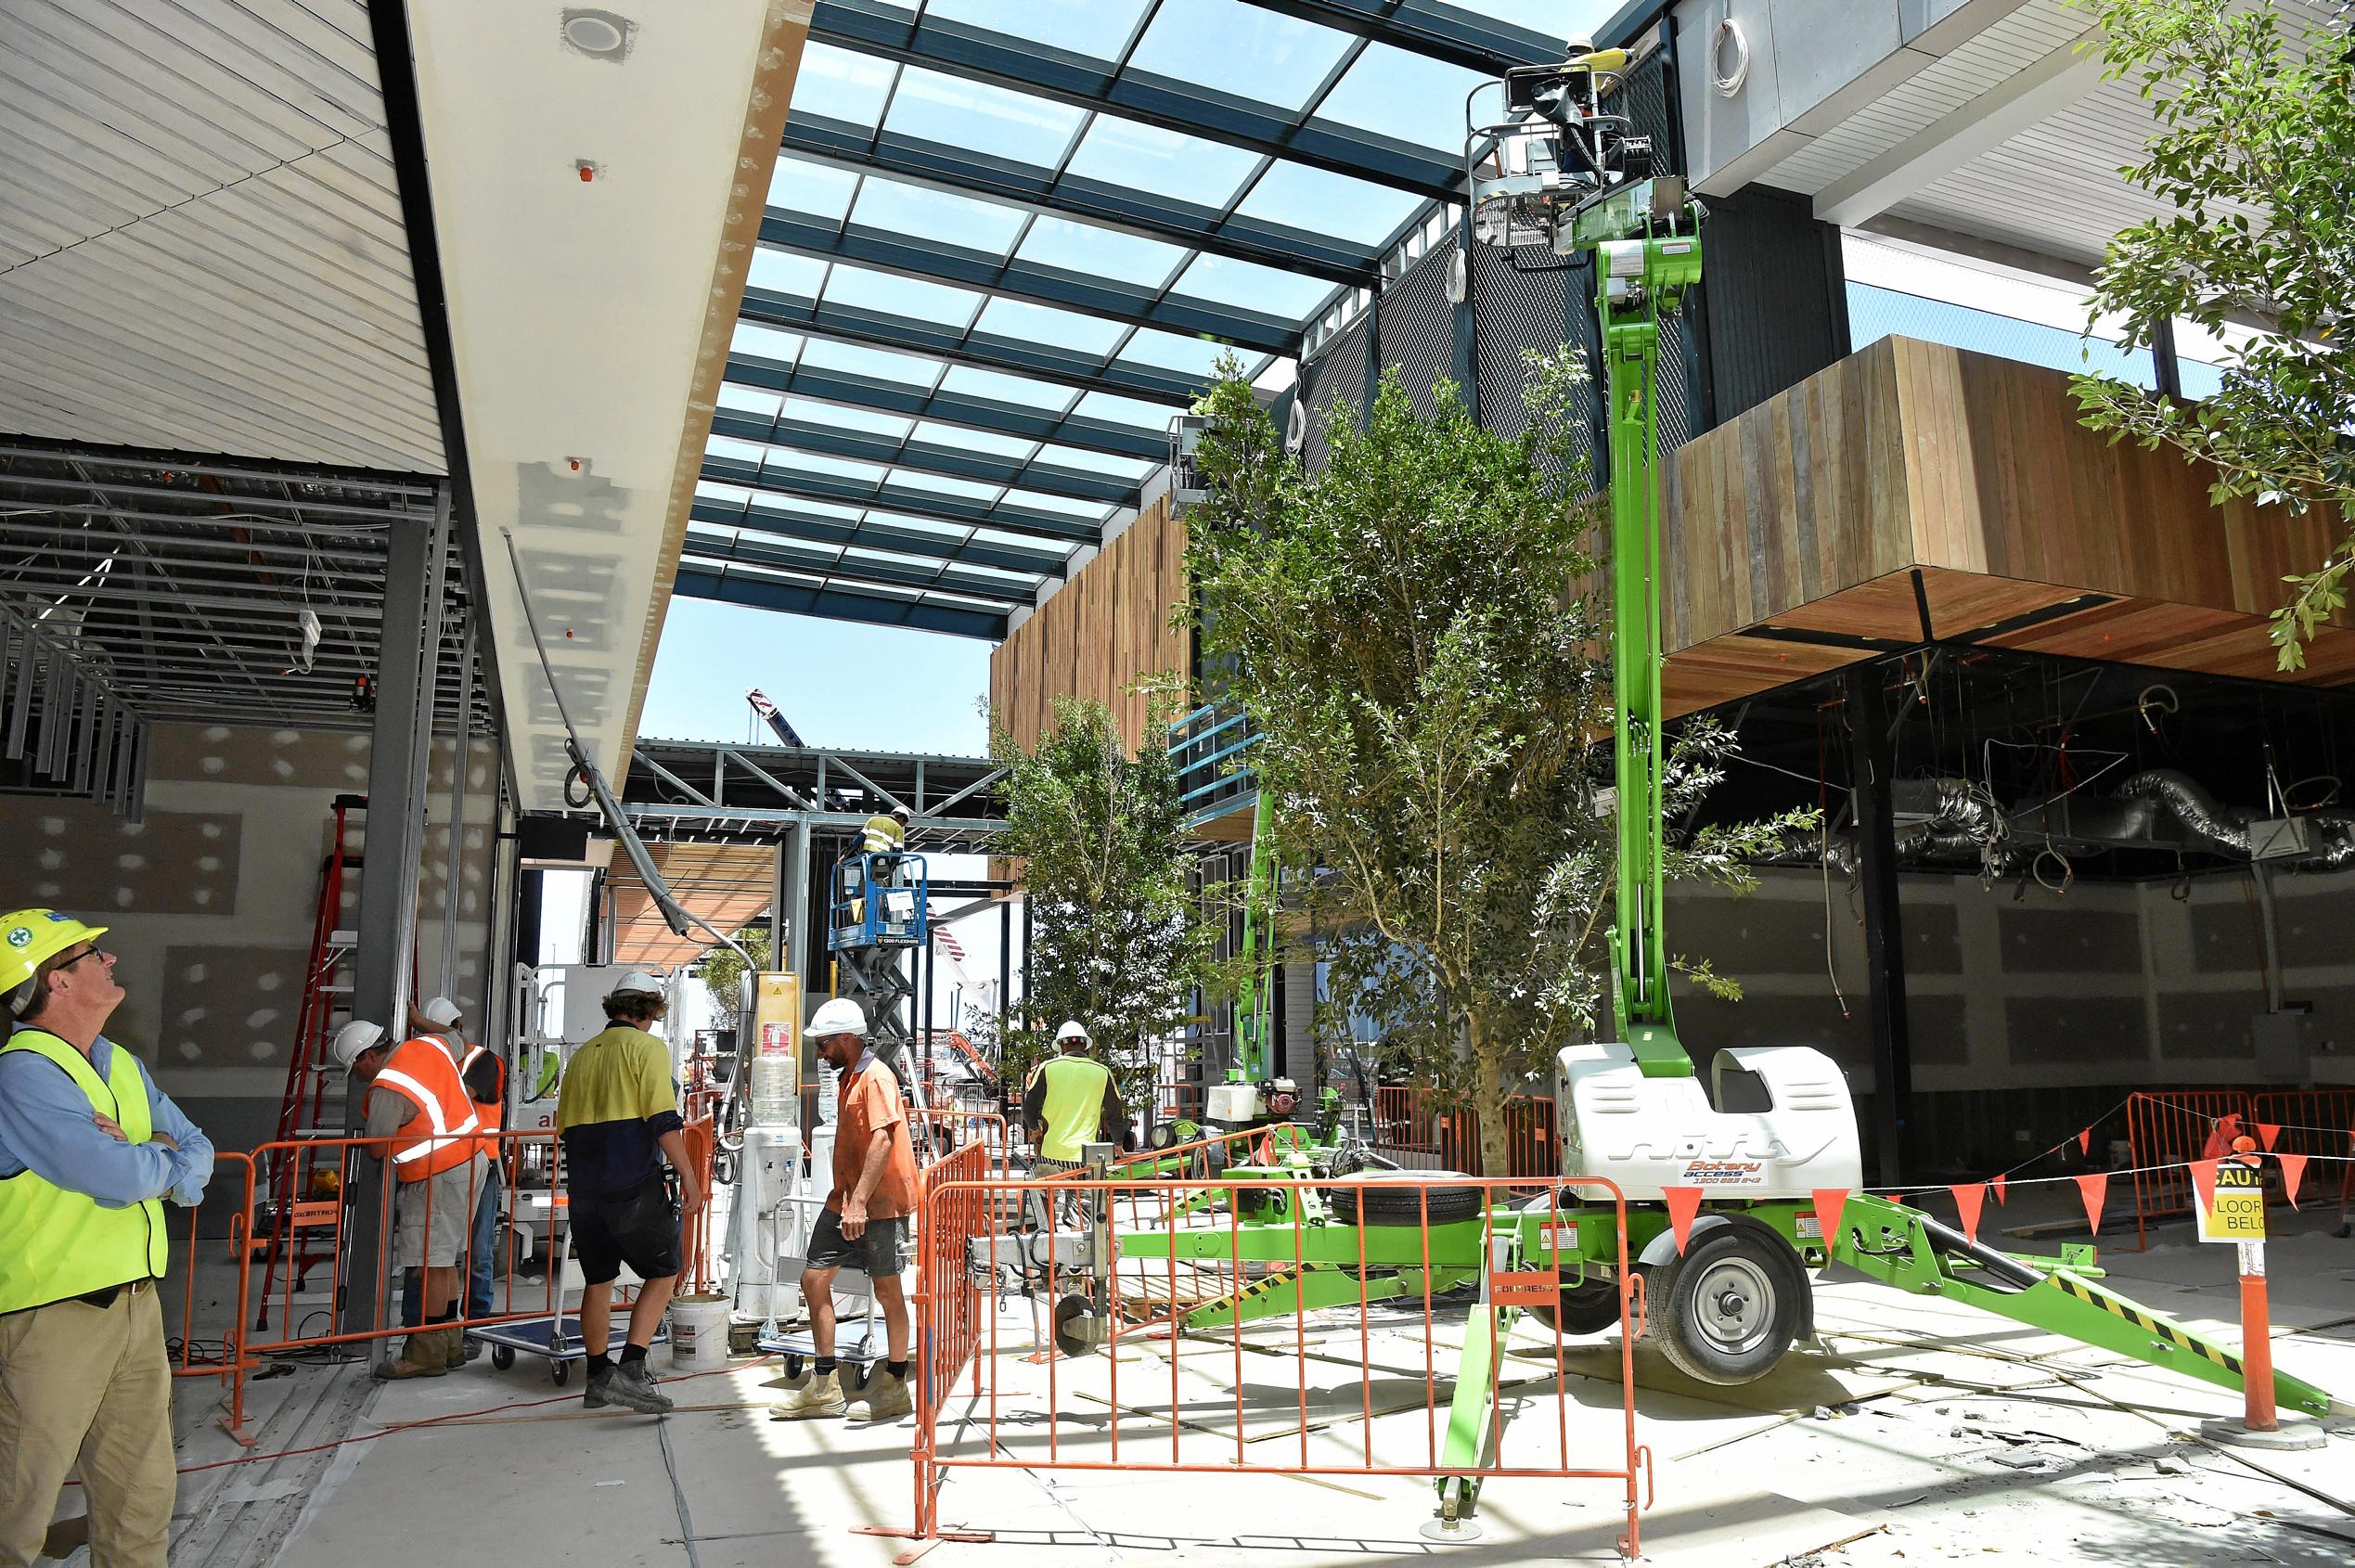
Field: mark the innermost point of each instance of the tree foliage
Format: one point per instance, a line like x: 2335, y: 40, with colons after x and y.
x: 723, y: 971
x: 1418, y: 635
x: 1114, y: 940
x: 2255, y: 155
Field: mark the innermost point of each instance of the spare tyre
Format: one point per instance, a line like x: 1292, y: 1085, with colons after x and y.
x: 1402, y: 1198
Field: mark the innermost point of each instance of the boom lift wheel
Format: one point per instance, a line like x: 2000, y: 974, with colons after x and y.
x: 1730, y: 1307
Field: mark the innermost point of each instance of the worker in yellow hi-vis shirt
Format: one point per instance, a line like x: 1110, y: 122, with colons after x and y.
x: 1071, y: 1103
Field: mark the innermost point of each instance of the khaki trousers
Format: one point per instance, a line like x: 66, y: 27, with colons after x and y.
x: 92, y: 1385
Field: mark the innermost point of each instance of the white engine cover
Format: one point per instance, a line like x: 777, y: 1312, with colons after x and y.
x: 1233, y: 1105
x: 1646, y: 1133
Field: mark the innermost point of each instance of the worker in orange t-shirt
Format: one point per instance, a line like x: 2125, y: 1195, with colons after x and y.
x: 866, y: 1220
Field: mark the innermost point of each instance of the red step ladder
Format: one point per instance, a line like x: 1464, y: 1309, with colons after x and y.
x: 289, y: 1209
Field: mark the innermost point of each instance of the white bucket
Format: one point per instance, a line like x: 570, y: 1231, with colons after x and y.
x: 699, y: 1332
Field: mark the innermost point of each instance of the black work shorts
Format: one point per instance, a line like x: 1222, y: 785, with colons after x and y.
x: 637, y: 1225
x: 880, y: 1251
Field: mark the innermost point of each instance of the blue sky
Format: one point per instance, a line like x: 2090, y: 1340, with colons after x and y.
x: 872, y: 687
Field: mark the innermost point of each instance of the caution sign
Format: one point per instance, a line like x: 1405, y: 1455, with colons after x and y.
x: 2235, y: 1210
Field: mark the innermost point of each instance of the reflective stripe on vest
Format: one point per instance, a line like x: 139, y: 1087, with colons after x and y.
x: 1073, y: 1112
x: 434, y: 1137
x: 61, y: 1243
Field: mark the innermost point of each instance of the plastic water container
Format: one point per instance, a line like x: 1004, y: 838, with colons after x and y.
x: 775, y: 1098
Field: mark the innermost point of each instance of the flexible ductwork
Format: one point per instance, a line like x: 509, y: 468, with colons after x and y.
x: 1963, y: 824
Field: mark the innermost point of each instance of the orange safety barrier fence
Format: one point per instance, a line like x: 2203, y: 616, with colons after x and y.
x: 1091, y: 1422
x: 1426, y: 1130
x: 230, y: 1362
x: 2169, y: 1127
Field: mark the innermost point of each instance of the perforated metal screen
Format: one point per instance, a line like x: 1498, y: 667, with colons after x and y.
x: 1337, y: 373
x: 1416, y: 329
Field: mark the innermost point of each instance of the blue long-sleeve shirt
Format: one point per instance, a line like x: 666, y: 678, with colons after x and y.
x: 46, y: 1127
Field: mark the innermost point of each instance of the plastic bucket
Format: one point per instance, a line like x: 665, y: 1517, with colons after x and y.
x: 699, y: 1332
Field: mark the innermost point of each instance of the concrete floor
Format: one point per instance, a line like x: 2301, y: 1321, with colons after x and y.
x: 1921, y: 1434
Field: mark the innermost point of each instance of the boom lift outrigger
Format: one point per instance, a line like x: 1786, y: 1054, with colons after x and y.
x: 1725, y: 1305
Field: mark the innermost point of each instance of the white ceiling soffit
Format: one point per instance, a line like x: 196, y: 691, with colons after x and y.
x: 595, y: 213
x: 200, y: 238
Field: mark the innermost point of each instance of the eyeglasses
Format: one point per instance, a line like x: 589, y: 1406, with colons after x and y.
x: 95, y: 952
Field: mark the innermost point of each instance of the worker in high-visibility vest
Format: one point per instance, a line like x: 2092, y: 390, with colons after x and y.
x: 1071, y: 1103
x: 885, y: 833
x: 485, y: 1079
x: 418, y: 1105
x: 89, y: 1147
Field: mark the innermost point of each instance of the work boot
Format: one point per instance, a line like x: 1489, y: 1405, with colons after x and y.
x: 422, y: 1356
x: 600, y: 1383
x: 457, y: 1350
x: 887, y: 1397
x: 632, y: 1386
x: 823, y: 1395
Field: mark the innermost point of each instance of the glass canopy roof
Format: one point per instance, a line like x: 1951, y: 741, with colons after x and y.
x: 1007, y: 240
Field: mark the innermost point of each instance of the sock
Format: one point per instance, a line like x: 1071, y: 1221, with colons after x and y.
x: 600, y: 1362
x: 822, y: 1366
x: 631, y: 1353
x: 897, y: 1369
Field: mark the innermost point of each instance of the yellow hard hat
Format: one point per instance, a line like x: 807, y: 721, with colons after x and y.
x: 30, y: 937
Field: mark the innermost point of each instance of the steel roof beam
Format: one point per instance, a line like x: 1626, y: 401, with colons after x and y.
x: 1004, y: 517
x: 1435, y: 31
x: 221, y: 502
x: 1102, y: 298
x: 871, y: 447
x: 949, y: 409
x: 1003, y: 60
x: 984, y: 350
x: 718, y: 555
x: 861, y: 533
x: 405, y: 486
x: 838, y: 603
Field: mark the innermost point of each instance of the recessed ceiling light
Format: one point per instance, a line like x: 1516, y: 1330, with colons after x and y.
x: 600, y: 34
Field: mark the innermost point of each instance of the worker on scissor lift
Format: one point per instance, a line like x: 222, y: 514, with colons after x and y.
x: 1071, y: 1103
x: 885, y: 833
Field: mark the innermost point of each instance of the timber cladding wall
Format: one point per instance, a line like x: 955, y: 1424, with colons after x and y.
x: 1812, y: 512
x: 1107, y: 627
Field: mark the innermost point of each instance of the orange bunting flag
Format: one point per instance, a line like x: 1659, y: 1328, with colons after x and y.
x: 2204, y: 1183
x: 1997, y: 1183
x: 2095, y: 1191
x: 1829, y: 1201
x: 1968, y: 1198
x: 2292, y: 1171
x: 2085, y: 1141
x: 2266, y: 1133
x: 1683, y: 1203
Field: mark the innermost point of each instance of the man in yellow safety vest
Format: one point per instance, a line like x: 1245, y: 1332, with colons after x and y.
x: 89, y: 1147
x: 1071, y: 1103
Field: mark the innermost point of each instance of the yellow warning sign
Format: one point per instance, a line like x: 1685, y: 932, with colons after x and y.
x: 2237, y: 1213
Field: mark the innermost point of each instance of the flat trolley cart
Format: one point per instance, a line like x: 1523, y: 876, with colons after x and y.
x: 558, y: 1338
x: 859, y: 1347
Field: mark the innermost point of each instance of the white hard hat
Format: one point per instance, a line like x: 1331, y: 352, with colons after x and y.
x: 1072, y: 1030
x: 353, y: 1040
x: 840, y: 1016
x: 637, y: 983
x: 442, y: 1010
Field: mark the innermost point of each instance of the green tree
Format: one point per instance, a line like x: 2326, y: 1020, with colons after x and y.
x: 2255, y: 157
x: 724, y: 971
x: 1417, y: 633
x: 1100, y: 841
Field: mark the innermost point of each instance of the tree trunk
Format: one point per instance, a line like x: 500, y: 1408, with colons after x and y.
x: 1489, y: 1103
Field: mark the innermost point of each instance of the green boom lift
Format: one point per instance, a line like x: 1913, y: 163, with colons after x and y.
x: 1564, y: 176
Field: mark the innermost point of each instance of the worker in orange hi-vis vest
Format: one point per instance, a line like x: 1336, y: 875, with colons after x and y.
x: 417, y: 1106
x: 485, y: 1079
